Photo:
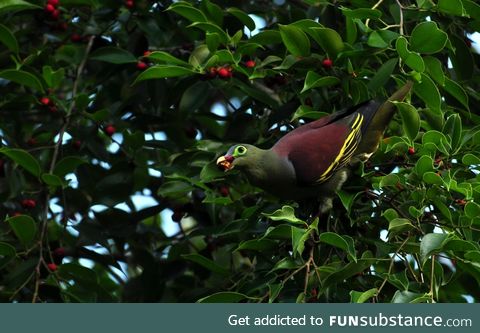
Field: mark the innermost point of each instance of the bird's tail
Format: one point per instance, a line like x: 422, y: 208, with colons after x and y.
x: 379, y: 123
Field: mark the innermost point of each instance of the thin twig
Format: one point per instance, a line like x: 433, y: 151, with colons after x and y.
x: 53, y: 162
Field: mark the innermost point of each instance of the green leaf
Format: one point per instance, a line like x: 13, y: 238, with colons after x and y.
x: 207, y: 263
x: 162, y: 56
x: 410, y: 119
x: 16, y: 5
x: 67, y: 165
x: 406, y: 296
x: 188, y: 11
x: 295, y: 40
x: 213, y: 41
x: 24, y: 159
x: 362, y: 297
x: 470, y: 159
x: 423, y: 165
x: 390, y: 214
x: 434, y: 69
x: 362, y: 13
x: 472, y: 209
x: 287, y: 213
x: 257, y: 245
x: 163, y: 71
x: 428, y: 92
x: 389, y: 180
x: 210, y: 27
x: 472, y: 9
x: 451, y: 7
x: 411, y: 59
x: 113, y: 55
x: 23, y: 78
x: 223, y: 297
x: 453, y: 128
x: 8, y: 39
x: 383, y: 74
x: 328, y: 39
x: 398, y: 225
x: 430, y: 244
x: 427, y: 38
x: 313, y: 80
x: 306, y: 112
x: 85, y: 276
x: 347, y: 199
x: 345, y: 243
x: 382, y: 38
x: 432, y: 178
x: 7, y: 250
x: 242, y: 17
x: 456, y: 90
x: 24, y: 228
x: 53, y: 180
x: 462, y: 59
x: 53, y: 78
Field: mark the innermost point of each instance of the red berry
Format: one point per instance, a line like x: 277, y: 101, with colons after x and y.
x: 223, y: 72
x: 52, y: 267
x: 141, y: 65
x: 468, y: 41
x: 250, y: 64
x: 45, y: 101
x: 53, y: 2
x: 147, y: 53
x: 55, y: 14
x: 461, y: 202
x: 411, y: 150
x: 77, y: 144
x: 212, y: 72
x: 177, y: 216
x: 53, y: 109
x: 191, y: 132
x: 224, y: 191
x: 129, y: 4
x: 28, y: 203
x: 59, y: 253
x: 32, y: 142
x: 327, y: 63
x: 49, y: 8
x: 110, y: 130
x: 76, y: 38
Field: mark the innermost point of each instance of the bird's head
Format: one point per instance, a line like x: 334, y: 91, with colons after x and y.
x: 240, y: 155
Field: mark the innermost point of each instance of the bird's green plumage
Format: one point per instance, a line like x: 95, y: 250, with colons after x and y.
x: 314, y: 159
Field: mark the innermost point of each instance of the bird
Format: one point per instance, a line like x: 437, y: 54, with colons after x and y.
x: 314, y: 160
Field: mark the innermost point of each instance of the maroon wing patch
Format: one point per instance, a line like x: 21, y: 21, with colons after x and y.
x: 317, y: 150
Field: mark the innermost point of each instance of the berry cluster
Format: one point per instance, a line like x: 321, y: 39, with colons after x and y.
x: 223, y: 72
x: 51, y: 8
x: 28, y: 203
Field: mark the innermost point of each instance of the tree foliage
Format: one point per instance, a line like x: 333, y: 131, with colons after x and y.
x: 103, y: 101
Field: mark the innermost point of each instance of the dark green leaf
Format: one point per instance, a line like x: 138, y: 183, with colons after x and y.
x: 24, y: 159
x: 427, y: 38
x: 431, y: 244
x: 8, y: 39
x: 295, y: 40
x: 113, y: 55
x: 313, y: 80
x: 188, y: 11
x: 207, y: 263
x: 23, y: 78
x: 223, y: 297
x: 24, y: 228
x: 410, y: 118
x: 163, y: 71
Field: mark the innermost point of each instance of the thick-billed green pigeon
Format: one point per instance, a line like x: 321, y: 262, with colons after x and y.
x: 313, y: 160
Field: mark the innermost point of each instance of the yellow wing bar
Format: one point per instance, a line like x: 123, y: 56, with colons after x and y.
x: 347, y: 150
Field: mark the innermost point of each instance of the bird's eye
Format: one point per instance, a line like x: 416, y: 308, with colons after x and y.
x: 241, y: 150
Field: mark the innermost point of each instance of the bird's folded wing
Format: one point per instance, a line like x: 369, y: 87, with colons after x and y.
x: 320, y: 151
